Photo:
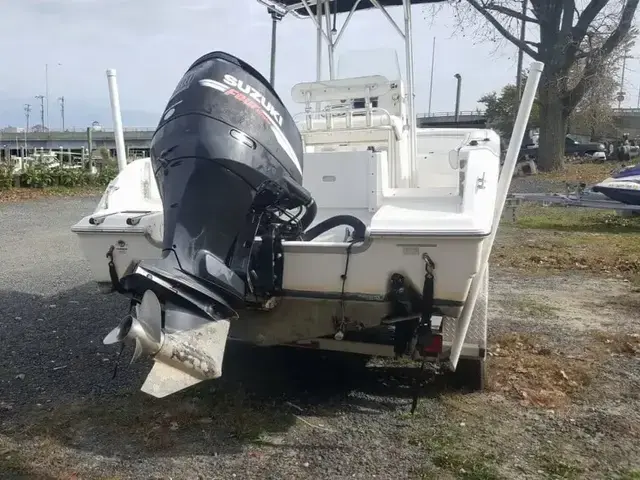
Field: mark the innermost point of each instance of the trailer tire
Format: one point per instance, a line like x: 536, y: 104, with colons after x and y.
x: 470, y: 374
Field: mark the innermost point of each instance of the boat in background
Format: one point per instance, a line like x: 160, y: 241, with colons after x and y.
x: 623, y: 186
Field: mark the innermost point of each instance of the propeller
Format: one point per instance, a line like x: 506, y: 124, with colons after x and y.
x: 143, y: 327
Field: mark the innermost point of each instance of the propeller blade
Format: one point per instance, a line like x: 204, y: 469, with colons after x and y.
x: 149, y: 314
x: 112, y: 337
x: 137, y: 353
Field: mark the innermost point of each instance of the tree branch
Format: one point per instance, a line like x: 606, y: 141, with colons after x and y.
x: 580, y: 30
x: 622, y: 30
x: 568, y: 10
x: 512, y: 13
x: 589, y: 14
x: 595, y: 64
x: 503, y: 31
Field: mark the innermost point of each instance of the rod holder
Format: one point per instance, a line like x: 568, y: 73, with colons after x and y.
x: 117, y: 119
x: 506, y: 174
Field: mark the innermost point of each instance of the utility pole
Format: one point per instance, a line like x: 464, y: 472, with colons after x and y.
x: 61, y: 100
x: 621, y: 93
x: 41, y: 98
x: 27, y: 114
x: 46, y: 83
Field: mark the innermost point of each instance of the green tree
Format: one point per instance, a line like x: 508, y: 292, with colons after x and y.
x: 579, y: 40
x: 501, y: 110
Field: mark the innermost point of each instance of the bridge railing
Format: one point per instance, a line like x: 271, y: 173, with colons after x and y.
x: 78, y: 130
x: 626, y: 111
x: 462, y: 113
x: 482, y: 113
x: 442, y: 115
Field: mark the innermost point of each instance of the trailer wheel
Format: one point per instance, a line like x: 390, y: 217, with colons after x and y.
x: 470, y: 374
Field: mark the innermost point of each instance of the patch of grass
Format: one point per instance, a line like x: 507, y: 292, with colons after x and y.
x: 522, y: 367
x: 468, y: 467
x: 633, y: 474
x: 531, y: 307
x: 451, y: 452
x: 14, y: 465
x: 573, y: 219
x: 24, y: 194
x: 620, y: 343
x: 588, y: 173
x: 559, y: 468
x: 150, y: 425
x: 603, y: 253
x: 628, y: 303
x: 179, y: 424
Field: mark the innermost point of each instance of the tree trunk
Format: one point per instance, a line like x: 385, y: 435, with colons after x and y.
x: 553, y: 124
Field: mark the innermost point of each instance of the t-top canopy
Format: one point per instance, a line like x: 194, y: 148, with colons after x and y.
x: 341, y: 6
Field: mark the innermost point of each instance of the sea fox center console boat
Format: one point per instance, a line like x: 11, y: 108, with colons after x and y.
x: 343, y: 225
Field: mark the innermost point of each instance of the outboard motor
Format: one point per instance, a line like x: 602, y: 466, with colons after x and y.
x: 227, y: 157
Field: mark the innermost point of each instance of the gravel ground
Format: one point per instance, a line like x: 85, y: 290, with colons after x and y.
x: 535, y: 184
x: 563, y: 400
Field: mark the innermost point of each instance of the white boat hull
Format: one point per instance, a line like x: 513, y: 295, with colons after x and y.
x: 402, y: 236
x: 312, y: 271
x: 312, y: 284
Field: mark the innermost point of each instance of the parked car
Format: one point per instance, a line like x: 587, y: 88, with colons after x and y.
x: 571, y: 148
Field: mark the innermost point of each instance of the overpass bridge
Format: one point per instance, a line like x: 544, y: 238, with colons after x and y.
x: 627, y: 120
x: 76, y: 141
x: 138, y: 139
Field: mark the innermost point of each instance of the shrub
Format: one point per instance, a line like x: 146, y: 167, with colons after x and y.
x: 6, y: 177
x: 38, y: 176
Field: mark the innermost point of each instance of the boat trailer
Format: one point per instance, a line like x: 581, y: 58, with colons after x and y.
x: 580, y: 199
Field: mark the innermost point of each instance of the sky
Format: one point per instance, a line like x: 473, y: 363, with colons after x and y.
x: 151, y: 43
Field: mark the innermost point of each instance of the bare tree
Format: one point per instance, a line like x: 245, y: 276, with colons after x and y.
x: 576, y: 40
x: 594, y: 113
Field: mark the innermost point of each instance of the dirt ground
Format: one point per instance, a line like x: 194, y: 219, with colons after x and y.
x: 563, y: 400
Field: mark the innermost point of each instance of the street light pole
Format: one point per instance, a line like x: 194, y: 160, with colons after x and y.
x: 41, y: 98
x: 61, y: 100
x: 459, y: 79
x: 46, y: 83
x: 27, y: 113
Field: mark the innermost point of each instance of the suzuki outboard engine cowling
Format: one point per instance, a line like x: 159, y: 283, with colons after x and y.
x: 227, y: 157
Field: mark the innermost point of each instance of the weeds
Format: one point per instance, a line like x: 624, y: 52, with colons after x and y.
x: 558, y: 468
